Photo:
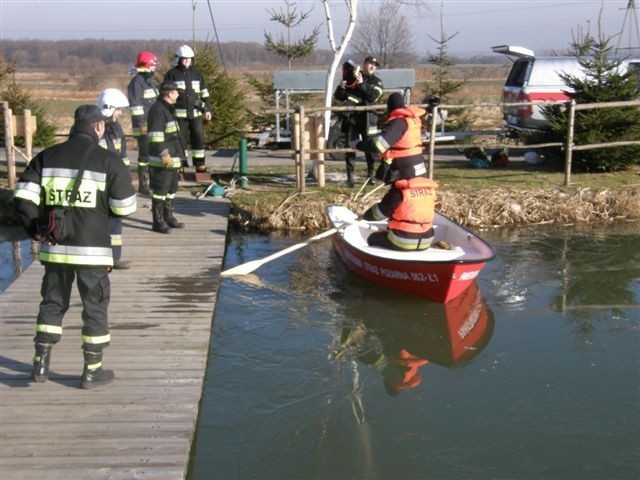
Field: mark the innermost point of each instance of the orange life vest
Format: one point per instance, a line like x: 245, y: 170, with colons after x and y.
x: 411, y: 141
x: 416, y: 211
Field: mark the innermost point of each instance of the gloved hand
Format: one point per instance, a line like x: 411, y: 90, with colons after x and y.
x: 167, y: 161
x: 383, y: 173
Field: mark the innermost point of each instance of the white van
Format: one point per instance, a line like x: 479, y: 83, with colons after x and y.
x: 538, y: 78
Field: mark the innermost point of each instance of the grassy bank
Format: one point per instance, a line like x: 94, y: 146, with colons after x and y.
x: 519, y: 195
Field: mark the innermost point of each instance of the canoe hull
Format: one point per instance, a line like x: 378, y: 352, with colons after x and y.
x: 439, y: 282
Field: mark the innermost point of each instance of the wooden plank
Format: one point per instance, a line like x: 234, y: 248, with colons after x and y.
x: 161, y: 309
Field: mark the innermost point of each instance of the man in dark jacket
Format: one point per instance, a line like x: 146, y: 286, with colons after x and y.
x: 193, y: 104
x: 142, y: 93
x: 81, y: 185
x: 359, y: 88
x: 165, y: 158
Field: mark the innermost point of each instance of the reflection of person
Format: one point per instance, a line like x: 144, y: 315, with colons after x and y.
x: 111, y: 102
x: 359, y: 88
x: 142, y: 93
x: 193, y: 103
x: 105, y: 189
x: 165, y: 158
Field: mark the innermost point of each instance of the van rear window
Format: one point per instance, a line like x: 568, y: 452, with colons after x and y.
x: 518, y: 73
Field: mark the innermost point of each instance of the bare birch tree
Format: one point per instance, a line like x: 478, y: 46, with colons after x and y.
x: 338, y: 50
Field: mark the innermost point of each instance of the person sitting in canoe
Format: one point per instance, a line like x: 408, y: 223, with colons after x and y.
x: 410, y: 202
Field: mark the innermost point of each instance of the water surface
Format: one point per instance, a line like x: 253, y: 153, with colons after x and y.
x: 534, y: 373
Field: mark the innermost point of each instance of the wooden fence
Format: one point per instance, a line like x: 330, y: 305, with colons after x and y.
x: 308, y: 138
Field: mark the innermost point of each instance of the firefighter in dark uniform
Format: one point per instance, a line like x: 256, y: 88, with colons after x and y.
x: 359, y: 88
x: 410, y: 202
x: 111, y: 102
x: 84, y: 253
x: 142, y: 93
x: 165, y: 158
x: 193, y: 104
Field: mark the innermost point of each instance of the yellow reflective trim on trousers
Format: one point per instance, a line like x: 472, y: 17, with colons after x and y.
x: 409, y: 243
x: 116, y: 240
x: 94, y: 366
x: 55, y: 329
x: 96, y: 340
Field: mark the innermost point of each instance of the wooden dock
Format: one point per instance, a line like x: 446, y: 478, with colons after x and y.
x: 142, y: 425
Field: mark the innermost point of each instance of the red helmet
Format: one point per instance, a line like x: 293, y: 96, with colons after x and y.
x: 146, y: 59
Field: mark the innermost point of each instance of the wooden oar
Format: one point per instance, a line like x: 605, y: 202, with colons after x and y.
x: 248, y: 267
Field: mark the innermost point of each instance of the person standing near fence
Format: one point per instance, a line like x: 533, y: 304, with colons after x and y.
x: 192, y: 106
x: 359, y: 88
x: 74, y: 186
x: 142, y: 93
x: 111, y: 102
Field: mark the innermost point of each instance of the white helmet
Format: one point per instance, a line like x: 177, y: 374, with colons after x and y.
x: 185, y: 51
x: 110, y: 99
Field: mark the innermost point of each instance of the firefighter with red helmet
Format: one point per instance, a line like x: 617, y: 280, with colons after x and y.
x: 142, y: 93
x: 193, y: 104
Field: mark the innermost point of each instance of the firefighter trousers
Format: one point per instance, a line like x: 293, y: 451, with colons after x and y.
x: 192, y: 135
x: 94, y: 288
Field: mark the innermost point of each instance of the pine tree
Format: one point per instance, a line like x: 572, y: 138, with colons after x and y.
x: 228, y: 113
x: 604, y: 82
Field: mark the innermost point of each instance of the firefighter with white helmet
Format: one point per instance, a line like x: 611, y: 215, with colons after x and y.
x: 193, y: 104
x: 142, y: 93
x: 111, y: 103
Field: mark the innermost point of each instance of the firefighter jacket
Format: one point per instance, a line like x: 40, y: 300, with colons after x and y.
x: 416, y: 210
x: 360, y: 94
x: 105, y: 191
x: 164, y: 135
x: 142, y: 93
x: 114, y: 140
x: 194, y: 96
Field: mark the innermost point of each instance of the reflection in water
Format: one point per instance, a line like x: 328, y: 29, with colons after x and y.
x: 16, y: 254
x: 399, y: 345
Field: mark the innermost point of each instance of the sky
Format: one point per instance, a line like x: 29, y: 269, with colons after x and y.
x: 541, y: 25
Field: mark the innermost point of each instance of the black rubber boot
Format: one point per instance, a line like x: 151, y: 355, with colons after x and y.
x: 143, y: 180
x: 168, y: 215
x: 40, y: 371
x: 159, y: 224
x: 371, y: 176
x: 93, y: 375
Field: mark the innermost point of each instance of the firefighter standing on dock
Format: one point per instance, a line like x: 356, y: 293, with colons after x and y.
x: 193, y: 104
x: 165, y: 158
x: 100, y: 185
x: 142, y: 93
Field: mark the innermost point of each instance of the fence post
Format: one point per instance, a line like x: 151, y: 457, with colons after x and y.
x: 432, y: 140
x: 295, y: 145
x: 8, y: 145
x: 319, y: 144
x: 568, y: 152
x: 28, y: 135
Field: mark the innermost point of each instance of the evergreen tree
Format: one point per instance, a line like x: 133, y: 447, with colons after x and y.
x: 286, y: 47
x: 228, y: 113
x: 603, y: 82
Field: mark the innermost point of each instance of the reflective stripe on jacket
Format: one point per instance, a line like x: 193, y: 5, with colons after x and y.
x: 105, y: 190
x: 416, y: 211
x: 411, y: 142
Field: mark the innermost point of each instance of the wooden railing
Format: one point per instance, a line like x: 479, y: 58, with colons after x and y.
x: 308, y: 138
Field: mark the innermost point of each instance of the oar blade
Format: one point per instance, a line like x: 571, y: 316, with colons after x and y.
x: 242, y: 269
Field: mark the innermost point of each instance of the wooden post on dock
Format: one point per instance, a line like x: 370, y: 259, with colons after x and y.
x: 318, y: 144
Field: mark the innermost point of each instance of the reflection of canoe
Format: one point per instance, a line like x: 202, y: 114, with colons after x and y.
x: 437, y: 274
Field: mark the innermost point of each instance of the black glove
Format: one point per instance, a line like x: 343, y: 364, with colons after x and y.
x: 383, y: 173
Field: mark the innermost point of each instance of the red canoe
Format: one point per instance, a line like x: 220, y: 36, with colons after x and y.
x: 436, y: 274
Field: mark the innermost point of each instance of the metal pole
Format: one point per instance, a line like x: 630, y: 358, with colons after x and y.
x: 569, y: 146
x: 243, y: 162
